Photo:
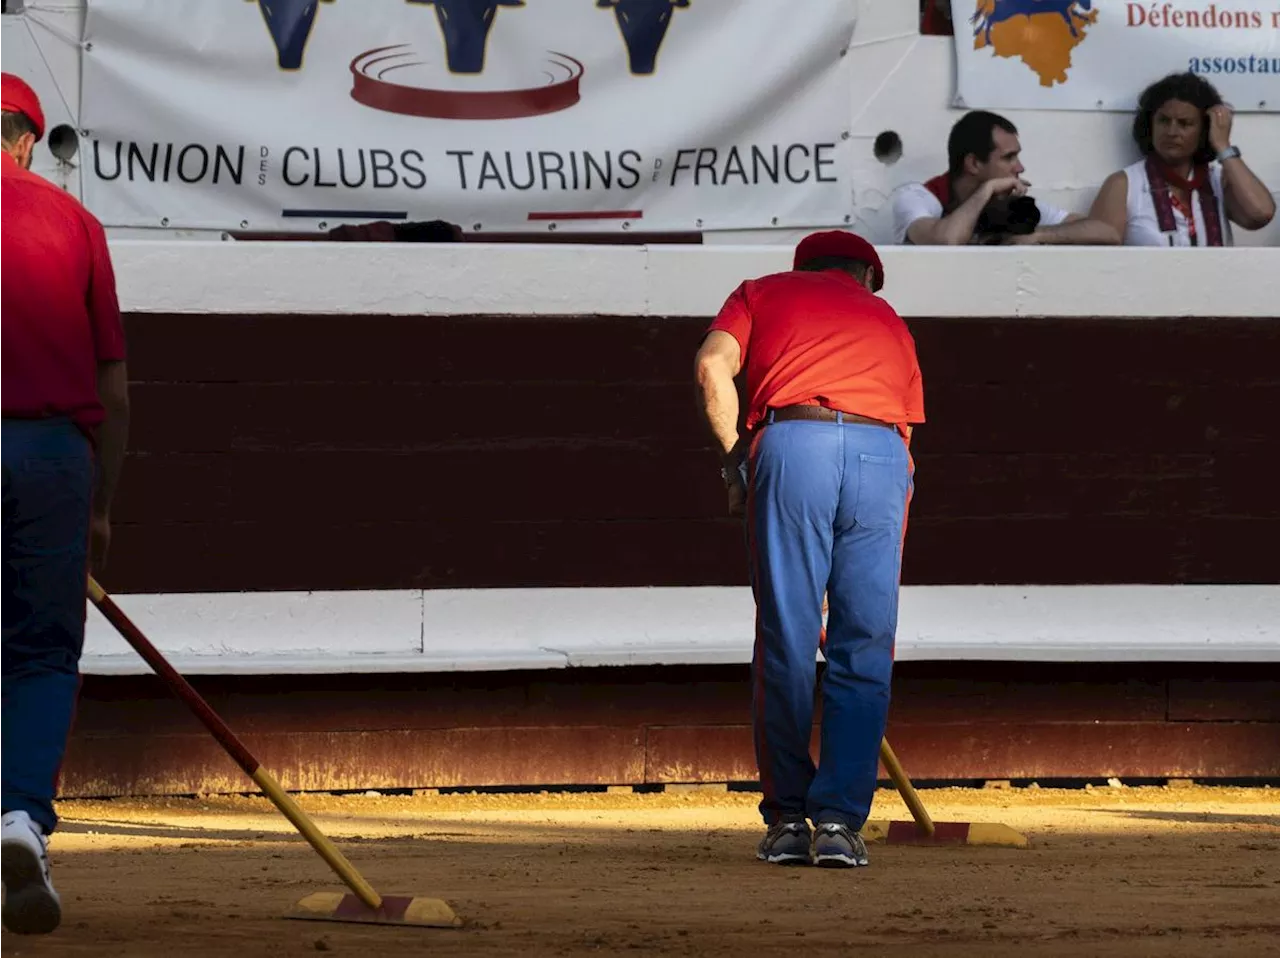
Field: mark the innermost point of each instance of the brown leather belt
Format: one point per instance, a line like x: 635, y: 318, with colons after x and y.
x: 819, y: 414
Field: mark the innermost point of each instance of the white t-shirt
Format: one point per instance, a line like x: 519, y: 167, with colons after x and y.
x: 914, y: 201
x: 1142, y: 227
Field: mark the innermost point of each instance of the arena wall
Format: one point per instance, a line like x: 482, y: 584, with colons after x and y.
x: 443, y: 517
x: 422, y: 517
x: 357, y: 436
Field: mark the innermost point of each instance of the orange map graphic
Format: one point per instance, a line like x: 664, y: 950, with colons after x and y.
x: 1043, y: 41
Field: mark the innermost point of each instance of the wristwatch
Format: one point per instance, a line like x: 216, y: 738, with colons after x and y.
x: 1230, y: 153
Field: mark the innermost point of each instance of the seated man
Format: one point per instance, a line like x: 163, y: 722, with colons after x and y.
x: 982, y: 198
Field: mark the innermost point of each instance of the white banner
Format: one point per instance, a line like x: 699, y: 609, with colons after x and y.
x: 492, y: 114
x: 1101, y: 54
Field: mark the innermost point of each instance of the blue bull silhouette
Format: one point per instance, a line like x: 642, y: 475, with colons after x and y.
x: 465, y: 25
x: 289, y: 23
x: 643, y: 24
x: 1002, y: 10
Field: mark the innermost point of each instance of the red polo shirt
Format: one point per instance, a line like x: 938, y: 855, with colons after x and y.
x: 822, y: 338
x: 58, y: 298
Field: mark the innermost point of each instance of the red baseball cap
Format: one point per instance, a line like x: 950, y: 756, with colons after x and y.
x: 845, y: 244
x: 18, y: 97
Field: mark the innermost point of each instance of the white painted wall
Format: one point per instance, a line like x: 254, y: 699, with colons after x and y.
x: 502, y: 279
x: 464, y: 630
x: 903, y: 82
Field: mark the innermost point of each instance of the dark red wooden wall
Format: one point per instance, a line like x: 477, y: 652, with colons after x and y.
x: 657, y: 725
x: 310, y: 452
x: 372, y: 452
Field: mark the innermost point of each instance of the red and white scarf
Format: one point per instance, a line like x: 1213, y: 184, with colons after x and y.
x: 1163, y: 181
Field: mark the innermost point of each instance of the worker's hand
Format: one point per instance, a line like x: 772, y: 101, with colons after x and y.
x: 737, y: 493
x: 99, y: 543
x: 733, y: 470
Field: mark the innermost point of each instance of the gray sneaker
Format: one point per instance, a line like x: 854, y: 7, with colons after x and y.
x: 786, y: 843
x: 838, y: 846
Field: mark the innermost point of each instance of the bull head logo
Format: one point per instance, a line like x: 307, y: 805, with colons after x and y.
x: 991, y: 12
x: 644, y: 25
x: 465, y: 25
x: 289, y: 22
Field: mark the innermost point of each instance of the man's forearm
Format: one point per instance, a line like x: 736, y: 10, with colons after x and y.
x: 1083, y: 232
x: 113, y: 437
x: 719, y: 405
x: 111, y: 446
x: 957, y: 227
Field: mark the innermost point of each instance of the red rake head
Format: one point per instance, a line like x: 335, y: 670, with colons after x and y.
x: 944, y: 833
x: 395, y: 910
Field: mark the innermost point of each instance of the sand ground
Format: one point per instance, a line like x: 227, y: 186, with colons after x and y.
x: 1111, y: 871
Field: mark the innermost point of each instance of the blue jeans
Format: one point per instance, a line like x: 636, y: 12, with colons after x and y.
x: 48, y: 491
x: 826, y: 513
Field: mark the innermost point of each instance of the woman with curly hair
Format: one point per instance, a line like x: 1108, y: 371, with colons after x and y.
x: 1191, y: 184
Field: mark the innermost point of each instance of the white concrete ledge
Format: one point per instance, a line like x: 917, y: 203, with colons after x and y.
x: 540, y: 280
x: 506, y: 629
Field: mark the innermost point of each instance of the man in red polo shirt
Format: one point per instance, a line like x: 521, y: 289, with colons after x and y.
x: 65, y: 398
x: 832, y: 388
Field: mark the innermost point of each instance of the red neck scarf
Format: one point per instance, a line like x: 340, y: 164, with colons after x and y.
x: 1163, y: 181
x: 940, y: 186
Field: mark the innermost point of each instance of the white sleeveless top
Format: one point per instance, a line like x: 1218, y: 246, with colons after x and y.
x: 1143, y: 229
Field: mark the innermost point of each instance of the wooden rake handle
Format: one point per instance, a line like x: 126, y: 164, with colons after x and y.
x: 180, y: 687
x: 908, y: 792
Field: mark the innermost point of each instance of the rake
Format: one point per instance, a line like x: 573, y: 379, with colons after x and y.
x: 362, y: 904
